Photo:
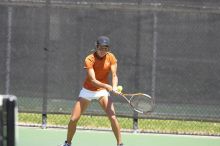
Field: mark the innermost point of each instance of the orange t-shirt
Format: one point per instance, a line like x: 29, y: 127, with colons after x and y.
x: 101, y: 66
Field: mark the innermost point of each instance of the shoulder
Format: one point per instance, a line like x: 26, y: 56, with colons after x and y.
x: 89, y: 61
x: 111, y: 58
x: 90, y: 57
x: 111, y: 55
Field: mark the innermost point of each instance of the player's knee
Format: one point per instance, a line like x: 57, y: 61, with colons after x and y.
x: 74, y: 119
x: 113, y: 118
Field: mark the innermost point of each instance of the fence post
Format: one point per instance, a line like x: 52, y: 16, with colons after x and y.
x: 46, y: 61
x: 137, y: 66
x: 135, y: 122
x: 8, y: 54
x: 154, y: 61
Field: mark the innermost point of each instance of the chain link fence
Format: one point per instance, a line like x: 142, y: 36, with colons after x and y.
x: 168, y: 49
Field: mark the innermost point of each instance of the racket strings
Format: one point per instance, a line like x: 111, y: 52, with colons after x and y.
x: 142, y: 103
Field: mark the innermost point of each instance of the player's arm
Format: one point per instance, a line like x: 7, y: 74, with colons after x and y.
x: 95, y: 82
x: 114, y: 76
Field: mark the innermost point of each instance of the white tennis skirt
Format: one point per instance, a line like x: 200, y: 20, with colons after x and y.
x: 90, y: 95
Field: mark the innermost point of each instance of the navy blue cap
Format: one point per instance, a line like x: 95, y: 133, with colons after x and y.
x: 103, y: 41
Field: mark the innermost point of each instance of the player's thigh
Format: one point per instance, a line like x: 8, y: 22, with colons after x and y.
x: 107, y: 105
x: 79, y: 107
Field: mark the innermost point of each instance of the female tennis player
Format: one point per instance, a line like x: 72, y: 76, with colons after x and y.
x: 98, y: 65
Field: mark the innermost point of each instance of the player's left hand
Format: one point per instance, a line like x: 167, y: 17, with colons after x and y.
x: 116, y: 92
x: 114, y: 89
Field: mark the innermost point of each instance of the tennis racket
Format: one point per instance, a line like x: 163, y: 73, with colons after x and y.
x: 139, y: 102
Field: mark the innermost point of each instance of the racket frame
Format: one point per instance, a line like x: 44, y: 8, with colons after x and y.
x: 131, y: 97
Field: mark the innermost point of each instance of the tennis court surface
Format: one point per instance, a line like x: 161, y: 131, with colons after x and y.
x: 53, y: 137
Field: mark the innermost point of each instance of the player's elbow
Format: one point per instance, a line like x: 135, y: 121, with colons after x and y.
x: 94, y: 82
x: 114, y: 76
